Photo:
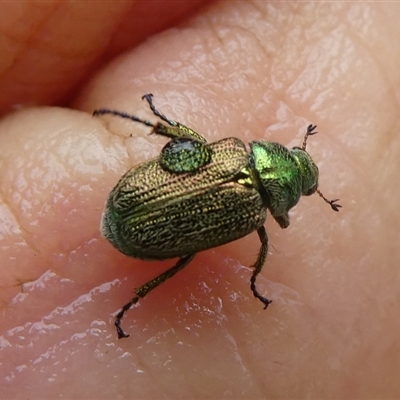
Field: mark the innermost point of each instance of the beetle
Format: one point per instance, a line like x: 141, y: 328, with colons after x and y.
x: 197, y: 195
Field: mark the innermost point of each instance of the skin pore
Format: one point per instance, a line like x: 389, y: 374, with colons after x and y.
x: 246, y: 69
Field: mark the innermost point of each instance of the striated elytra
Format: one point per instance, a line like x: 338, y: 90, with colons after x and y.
x: 197, y: 195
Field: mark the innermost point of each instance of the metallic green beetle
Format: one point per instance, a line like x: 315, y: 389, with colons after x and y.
x: 198, y: 195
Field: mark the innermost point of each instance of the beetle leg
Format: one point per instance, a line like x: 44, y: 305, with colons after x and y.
x: 143, y: 290
x: 262, y: 255
x: 333, y: 203
x: 149, y: 98
x: 310, y: 131
x: 176, y: 129
x: 122, y: 114
x: 172, y: 130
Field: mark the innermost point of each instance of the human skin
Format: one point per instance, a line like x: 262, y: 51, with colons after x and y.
x: 245, y: 69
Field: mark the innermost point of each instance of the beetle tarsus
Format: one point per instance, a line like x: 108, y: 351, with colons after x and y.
x: 263, y: 299
x: 310, y: 131
x: 332, y: 203
x: 149, y: 98
x: 120, y: 315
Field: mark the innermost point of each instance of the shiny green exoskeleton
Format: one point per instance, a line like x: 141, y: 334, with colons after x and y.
x: 198, y: 195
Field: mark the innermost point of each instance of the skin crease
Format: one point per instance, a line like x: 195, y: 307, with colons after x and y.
x: 244, y: 69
